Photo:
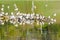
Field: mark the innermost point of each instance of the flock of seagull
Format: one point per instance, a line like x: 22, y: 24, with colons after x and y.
x: 24, y: 18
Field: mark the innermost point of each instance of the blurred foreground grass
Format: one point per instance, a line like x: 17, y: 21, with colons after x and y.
x: 23, y: 32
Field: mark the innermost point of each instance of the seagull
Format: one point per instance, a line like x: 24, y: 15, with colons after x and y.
x: 12, y: 17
